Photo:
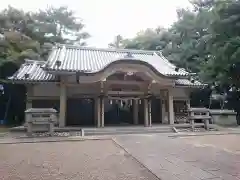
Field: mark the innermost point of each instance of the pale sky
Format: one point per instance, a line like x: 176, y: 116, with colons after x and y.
x: 105, y: 19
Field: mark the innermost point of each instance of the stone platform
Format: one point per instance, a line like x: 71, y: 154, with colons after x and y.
x: 114, y: 130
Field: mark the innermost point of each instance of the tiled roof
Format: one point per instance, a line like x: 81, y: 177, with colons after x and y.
x: 36, y: 74
x: 31, y: 71
x: 92, y: 60
x: 186, y: 82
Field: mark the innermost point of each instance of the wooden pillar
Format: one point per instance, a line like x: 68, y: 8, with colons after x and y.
x: 98, y: 112
x: 163, y: 110
x: 63, y: 104
x: 29, y: 95
x: 146, y: 113
x: 135, y: 112
x: 102, y: 111
x: 102, y: 102
x: 28, y: 106
x: 149, y: 112
x: 192, y: 121
x: 28, y: 103
x: 170, y: 108
x: 95, y: 111
x: 188, y: 103
x: 206, y: 122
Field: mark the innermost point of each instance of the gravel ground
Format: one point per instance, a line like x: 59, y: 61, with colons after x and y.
x: 229, y: 143
x: 209, y: 157
x: 98, y: 160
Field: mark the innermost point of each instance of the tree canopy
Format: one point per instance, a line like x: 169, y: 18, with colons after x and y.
x: 31, y: 34
x: 205, y: 40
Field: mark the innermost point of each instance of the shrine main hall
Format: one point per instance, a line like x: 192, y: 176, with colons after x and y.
x: 107, y: 87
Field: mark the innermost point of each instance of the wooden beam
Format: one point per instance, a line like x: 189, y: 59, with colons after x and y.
x: 43, y: 97
x: 125, y: 93
x: 124, y: 82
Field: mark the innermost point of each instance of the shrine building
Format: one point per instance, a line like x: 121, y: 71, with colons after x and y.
x: 107, y: 87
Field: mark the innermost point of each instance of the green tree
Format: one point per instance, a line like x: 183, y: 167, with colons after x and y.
x: 224, y: 62
x: 189, y: 37
x: 187, y: 43
x: 59, y: 25
x: 150, y: 39
x: 30, y: 35
x: 183, y: 43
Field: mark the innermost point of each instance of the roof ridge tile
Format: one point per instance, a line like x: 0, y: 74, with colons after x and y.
x: 78, y: 58
x: 68, y: 46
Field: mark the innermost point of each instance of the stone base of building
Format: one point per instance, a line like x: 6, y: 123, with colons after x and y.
x: 224, y: 117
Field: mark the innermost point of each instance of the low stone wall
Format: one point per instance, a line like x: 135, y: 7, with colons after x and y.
x: 224, y: 117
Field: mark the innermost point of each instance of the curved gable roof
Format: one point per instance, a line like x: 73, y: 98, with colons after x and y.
x: 93, y: 60
x: 36, y: 74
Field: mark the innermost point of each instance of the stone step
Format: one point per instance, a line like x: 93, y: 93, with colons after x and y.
x: 88, y: 132
x: 110, y: 130
x: 126, y: 129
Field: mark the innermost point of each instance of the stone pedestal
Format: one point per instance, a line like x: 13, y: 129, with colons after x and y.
x: 224, y: 117
x: 199, y: 114
x: 40, y: 120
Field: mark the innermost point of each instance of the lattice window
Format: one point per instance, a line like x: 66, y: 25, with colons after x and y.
x: 180, y: 109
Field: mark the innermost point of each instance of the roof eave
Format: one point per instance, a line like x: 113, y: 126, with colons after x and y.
x: 32, y: 82
x: 181, y: 76
x: 56, y: 71
x: 24, y: 81
x: 190, y: 86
